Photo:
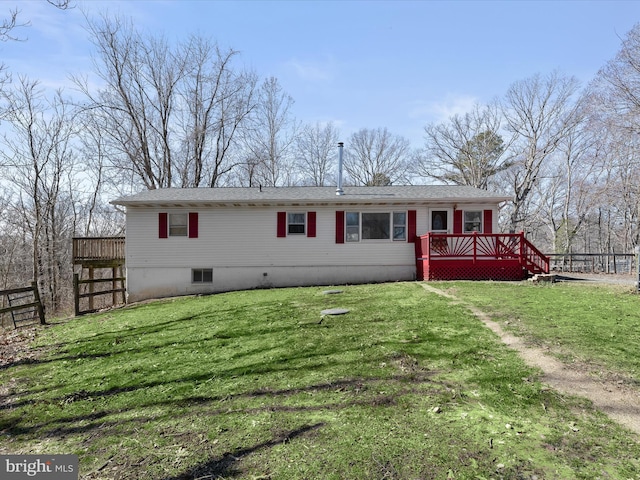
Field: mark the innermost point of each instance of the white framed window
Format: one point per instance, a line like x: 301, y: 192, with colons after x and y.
x: 178, y: 224
x: 296, y: 223
x: 472, y: 222
x: 202, y: 275
x: 376, y: 226
x: 353, y: 226
x: 399, y: 226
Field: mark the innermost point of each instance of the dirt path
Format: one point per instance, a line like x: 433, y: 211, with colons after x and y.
x: 620, y: 402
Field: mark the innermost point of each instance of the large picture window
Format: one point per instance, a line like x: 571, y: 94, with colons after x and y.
x: 376, y: 226
x: 472, y: 222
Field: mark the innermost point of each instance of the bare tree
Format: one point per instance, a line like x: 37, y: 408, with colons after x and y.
x: 617, y: 84
x: 566, y: 188
x: 170, y: 114
x: 9, y: 244
x: 217, y: 101
x: 8, y: 25
x: 38, y: 160
x: 539, y: 112
x: 11, y: 22
x: 92, y: 214
x: 137, y: 103
x: 377, y: 157
x: 615, y: 97
x: 316, y: 151
x: 465, y: 150
x: 270, y: 138
x: 619, y: 225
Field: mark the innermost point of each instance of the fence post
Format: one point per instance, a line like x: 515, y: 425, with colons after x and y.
x: 637, y: 252
x: 36, y: 297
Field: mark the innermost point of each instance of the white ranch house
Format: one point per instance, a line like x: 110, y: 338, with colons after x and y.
x: 206, y: 240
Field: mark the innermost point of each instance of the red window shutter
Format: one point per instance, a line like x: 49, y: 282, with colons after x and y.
x: 282, y: 224
x: 311, y: 224
x: 487, y: 221
x: 339, y: 226
x: 411, y: 226
x: 163, y: 225
x: 193, y: 224
x: 457, y: 221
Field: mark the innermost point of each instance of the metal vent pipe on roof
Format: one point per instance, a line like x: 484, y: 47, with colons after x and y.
x: 339, y: 190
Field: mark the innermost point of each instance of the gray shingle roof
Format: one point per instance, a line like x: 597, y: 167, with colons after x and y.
x: 309, y: 195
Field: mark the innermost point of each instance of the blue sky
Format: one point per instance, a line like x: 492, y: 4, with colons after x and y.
x: 360, y: 64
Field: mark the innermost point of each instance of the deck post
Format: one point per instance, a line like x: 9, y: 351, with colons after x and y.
x: 91, y: 307
x: 76, y: 294
x: 114, y: 285
x: 123, y: 285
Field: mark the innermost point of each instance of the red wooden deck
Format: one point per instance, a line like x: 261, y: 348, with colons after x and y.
x: 478, y: 256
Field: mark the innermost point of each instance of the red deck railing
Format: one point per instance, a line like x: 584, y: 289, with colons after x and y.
x: 476, y: 256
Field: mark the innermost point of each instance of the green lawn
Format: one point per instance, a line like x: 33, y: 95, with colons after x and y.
x: 407, y: 385
x: 595, y: 324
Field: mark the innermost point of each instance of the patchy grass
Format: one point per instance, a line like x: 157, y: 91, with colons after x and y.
x: 256, y: 385
x: 591, y: 324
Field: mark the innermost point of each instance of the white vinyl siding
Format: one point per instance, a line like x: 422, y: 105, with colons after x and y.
x: 240, y: 246
x: 247, y: 237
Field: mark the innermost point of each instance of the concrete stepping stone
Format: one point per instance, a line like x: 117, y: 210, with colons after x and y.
x: 334, y: 311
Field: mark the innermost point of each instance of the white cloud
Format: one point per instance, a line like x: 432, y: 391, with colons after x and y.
x: 313, y: 70
x: 443, y: 109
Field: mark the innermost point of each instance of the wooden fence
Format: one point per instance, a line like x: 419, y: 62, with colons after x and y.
x: 24, y: 305
x: 91, y: 293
